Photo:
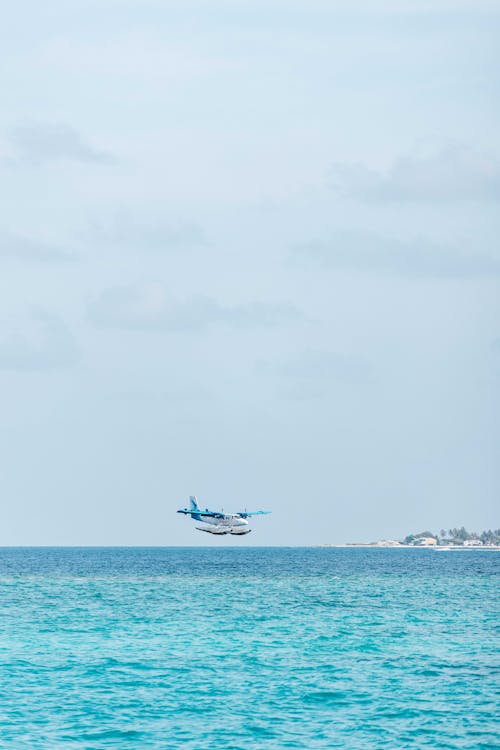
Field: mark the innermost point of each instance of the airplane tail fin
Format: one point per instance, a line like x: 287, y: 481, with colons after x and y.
x: 193, y: 502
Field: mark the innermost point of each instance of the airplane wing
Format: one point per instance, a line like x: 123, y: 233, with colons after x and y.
x: 202, y: 513
x: 246, y: 513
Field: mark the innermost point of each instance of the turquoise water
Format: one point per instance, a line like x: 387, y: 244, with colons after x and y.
x: 248, y: 648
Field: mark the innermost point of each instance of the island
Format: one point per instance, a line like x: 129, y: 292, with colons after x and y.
x: 446, y: 539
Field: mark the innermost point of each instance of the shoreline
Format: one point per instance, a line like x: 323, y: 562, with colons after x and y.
x: 439, y: 548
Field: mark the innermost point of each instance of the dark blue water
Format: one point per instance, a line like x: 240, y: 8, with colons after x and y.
x: 250, y: 561
x: 248, y: 648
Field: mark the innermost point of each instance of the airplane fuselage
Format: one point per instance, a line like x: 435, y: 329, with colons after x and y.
x: 227, y: 523
x: 228, y: 519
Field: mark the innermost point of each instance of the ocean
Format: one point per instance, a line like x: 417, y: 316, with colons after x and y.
x: 238, y: 648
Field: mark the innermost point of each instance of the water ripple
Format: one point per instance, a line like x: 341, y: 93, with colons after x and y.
x: 209, y: 649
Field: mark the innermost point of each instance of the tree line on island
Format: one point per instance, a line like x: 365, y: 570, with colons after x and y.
x: 456, y: 537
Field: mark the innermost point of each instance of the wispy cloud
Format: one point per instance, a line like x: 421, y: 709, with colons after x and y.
x: 452, y: 172
x: 374, y: 254
x: 325, y: 366
x: 125, y: 230
x: 311, y: 374
x: 40, y: 342
x: 40, y: 142
x: 22, y: 248
x: 150, y: 307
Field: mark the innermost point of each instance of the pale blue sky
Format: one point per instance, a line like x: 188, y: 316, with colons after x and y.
x: 248, y: 251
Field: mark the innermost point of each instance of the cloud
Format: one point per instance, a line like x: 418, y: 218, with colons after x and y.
x: 122, y: 229
x: 311, y: 374
x: 42, y: 342
x: 150, y: 307
x: 173, y: 392
x: 324, y: 366
x: 39, y: 142
x: 451, y: 173
x: 374, y: 254
x: 23, y: 248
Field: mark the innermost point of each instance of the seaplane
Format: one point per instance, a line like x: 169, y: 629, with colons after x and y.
x: 218, y: 522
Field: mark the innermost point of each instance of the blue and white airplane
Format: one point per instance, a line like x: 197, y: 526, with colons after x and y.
x: 220, y: 522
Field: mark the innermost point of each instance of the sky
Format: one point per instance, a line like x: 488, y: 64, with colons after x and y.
x: 248, y: 251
